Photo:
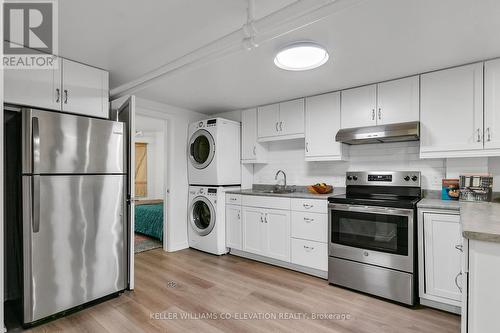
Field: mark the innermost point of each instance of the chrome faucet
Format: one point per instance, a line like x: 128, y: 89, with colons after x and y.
x: 284, y: 176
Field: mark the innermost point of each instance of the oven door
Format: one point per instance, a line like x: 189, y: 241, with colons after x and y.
x: 373, y: 235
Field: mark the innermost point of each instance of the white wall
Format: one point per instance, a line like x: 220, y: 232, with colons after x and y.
x: 289, y: 156
x: 178, y: 120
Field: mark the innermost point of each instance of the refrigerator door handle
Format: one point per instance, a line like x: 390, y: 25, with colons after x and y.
x: 36, y: 177
x: 35, y: 202
x: 36, y: 144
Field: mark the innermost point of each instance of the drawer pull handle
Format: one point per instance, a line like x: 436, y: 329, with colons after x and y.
x: 308, y: 248
x: 308, y: 206
x: 459, y: 248
x: 308, y: 220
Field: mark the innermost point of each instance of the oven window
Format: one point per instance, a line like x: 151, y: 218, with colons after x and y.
x: 379, y: 232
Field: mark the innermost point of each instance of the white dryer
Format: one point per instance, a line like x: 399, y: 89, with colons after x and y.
x: 206, y: 218
x: 214, y: 152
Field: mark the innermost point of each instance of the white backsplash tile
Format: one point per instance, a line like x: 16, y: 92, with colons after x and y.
x: 289, y: 156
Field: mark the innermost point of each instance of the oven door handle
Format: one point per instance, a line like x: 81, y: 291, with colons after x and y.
x: 372, y: 209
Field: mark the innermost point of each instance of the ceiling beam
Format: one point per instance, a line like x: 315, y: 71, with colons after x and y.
x: 288, y: 19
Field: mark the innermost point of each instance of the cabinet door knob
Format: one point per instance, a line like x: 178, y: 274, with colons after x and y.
x: 58, y: 95
x: 307, y: 206
x: 379, y: 114
x: 277, y: 130
x: 65, y: 96
x: 254, y: 153
x: 459, y: 247
x: 308, y: 220
x: 373, y: 114
x: 478, y: 135
x: 489, y: 134
x: 281, y: 126
x: 307, y: 147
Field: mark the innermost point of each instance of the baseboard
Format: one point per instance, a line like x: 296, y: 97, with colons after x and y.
x: 441, y: 306
x: 177, y: 246
x: 284, y: 264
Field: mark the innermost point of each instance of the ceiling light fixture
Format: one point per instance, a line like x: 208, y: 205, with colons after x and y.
x: 301, y: 56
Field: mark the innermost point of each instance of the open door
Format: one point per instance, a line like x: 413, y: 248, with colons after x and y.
x: 125, y: 112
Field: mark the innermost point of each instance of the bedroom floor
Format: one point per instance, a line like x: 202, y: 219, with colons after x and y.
x: 145, y: 243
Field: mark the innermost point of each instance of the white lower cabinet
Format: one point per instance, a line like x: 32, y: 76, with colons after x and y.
x: 310, y: 254
x: 234, y: 232
x: 266, y: 232
x: 253, y: 218
x: 293, y: 231
x: 440, y: 256
x: 311, y: 226
x: 276, y: 235
x: 482, y: 299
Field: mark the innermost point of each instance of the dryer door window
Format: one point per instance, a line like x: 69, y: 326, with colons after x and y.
x: 202, y: 216
x: 201, y: 149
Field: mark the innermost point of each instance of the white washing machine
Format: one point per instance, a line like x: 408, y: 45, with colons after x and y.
x: 214, y: 152
x: 206, y: 218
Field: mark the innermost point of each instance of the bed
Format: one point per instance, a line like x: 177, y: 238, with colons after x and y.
x: 149, y: 219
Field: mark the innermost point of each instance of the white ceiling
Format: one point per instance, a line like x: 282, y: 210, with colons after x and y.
x: 368, y: 42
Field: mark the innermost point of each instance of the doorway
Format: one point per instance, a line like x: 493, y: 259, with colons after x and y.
x: 150, y: 183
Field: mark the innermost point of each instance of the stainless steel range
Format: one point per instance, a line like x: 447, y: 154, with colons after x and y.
x: 372, y: 234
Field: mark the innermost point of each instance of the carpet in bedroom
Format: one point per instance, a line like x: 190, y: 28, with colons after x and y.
x: 145, y: 243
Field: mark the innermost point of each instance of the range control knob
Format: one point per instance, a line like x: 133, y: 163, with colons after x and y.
x: 407, y: 178
x: 414, y: 178
x: 349, y: 178
x: 355, y: 177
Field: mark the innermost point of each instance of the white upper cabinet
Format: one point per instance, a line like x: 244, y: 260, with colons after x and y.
x: 398, y: 101
x: 359, y: 106
x: 291, y: 122
x: 281, y: 121
x: 322, y: 122
x: 72, y: 87
x: 251, y: 150
x: 451, y: 114
x: 492, y: 104
x: 85, y: 90
x: 34, y: 87
x: 384, y: 103
x: 268, y: 120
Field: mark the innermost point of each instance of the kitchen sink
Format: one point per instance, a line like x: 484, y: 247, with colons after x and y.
x: 278, y: 190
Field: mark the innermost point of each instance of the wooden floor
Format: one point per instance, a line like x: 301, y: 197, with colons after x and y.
x: 192, y: 283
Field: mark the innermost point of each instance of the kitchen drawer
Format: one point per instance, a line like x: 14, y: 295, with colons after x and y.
x: 265, y: 202
x: 233, y: 199
x: 310, y: 226
x: 310, y: 205
x: 310, y: 254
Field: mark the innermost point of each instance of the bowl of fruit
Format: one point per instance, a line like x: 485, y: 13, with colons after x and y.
x: 320, y: 188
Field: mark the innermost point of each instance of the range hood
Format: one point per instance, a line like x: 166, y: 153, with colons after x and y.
x: 384, y: 133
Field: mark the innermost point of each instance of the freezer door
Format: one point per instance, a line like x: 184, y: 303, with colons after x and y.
x: 78, y: 253
x: 57, y: 143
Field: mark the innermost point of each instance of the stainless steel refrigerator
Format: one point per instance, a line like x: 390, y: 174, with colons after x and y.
x: 74, y: 211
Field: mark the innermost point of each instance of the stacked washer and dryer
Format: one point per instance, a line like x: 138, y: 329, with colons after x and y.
x: 213, y: 168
